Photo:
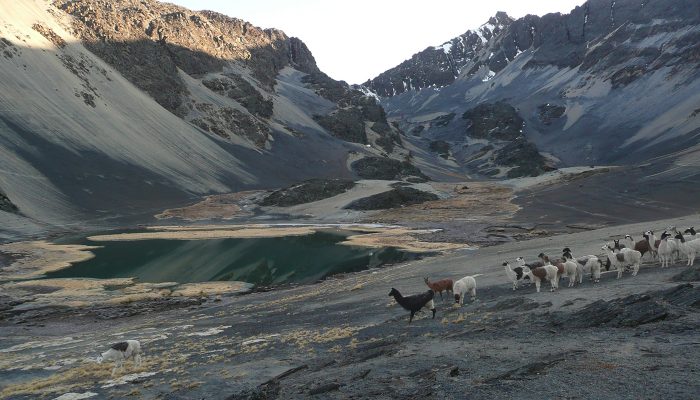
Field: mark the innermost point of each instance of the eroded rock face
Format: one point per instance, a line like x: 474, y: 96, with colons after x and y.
x: 355, y: 111
x: 237, y: 88
x: 500, y: 123
x: 494, y: 121
x: 226, y: 122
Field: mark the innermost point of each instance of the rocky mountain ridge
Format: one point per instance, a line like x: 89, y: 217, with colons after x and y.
x: 579, y: 81
x: 144, y: 105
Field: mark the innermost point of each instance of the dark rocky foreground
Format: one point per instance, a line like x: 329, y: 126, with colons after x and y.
x: 636, y: 337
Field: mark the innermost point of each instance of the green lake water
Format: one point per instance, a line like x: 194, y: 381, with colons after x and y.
x: 259, y: 261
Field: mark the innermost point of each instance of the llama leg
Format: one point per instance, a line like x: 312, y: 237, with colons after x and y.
x: 411, y: 318
x: 433, y: 310
x: 636, y: 269
x: 537, y: 285
x: 473, y: 293
x: 441, y: 299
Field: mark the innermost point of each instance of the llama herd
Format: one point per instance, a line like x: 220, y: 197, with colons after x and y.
x: 622, y: 255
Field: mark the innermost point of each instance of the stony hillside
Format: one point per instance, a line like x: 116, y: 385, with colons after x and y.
x: 579, y: 85
x: 117, y: 108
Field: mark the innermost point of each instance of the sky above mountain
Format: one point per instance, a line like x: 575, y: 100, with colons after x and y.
x: 359, y: 39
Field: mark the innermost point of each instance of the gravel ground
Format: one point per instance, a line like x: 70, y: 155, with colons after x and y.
x: 345, y: 338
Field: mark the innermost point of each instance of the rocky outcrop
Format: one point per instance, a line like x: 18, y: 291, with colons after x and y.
x: 357, y: 117
x: 634, y: 310
x: 150, y: 42
x: 387, y: 169
x: 439, y: 65
x: 501, y: 124
x: 7, y: 205
x: 237, y: 88
x: 441, y: 147
x: 523, y: 158
x: 549, y: 112
x: 307, y: 192
x: 226, y: 122
x: 497, y: 121
x: 578, y: 86
x: 397, y: 197
x: 588, y: 37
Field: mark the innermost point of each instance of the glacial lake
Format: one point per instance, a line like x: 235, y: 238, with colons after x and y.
x: 263, y: 262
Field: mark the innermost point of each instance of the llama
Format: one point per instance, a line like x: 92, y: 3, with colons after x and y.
x: 119, y: 352
x: 545, y: 259
x: 642, y: 246
x: 415, y: 302
x: 622, y: 259
x: 557, y: 262
x: 689, y: 248
x: 521, y: 263
x: 443, y: 285
x: 653, y: 243
x: 571, y: 269
x: 674, y: 245
x: 515, y: 275
x: 464, y: 286
x: 589, y: 263
x: 665, y: 249
x: 690, y: 234
x: 617, y: 245
x: 547, y: 272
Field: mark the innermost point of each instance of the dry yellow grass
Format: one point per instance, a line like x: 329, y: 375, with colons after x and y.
x: 303, y: 338
x: 222, y: 206
x: 82, y: 376
x: 468, y: 201
x: 41, y: 257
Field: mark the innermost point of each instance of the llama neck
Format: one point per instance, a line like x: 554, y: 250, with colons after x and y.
x: 398, y: 297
